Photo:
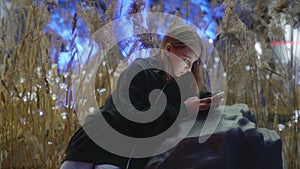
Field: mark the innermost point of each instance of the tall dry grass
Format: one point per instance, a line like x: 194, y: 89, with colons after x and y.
x: 37, y: 113
x: 267, y: 81
x: 37, y: 117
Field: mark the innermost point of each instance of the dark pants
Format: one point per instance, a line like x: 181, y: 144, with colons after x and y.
x: 82, y: 165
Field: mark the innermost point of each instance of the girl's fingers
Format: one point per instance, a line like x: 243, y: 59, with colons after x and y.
x: 205, y: 100
x: 216, y: 99
x: 205, y: 103
x: 203, y: 106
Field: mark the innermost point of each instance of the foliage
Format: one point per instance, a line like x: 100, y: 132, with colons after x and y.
x: 266, y: 80
x: 37, y: 111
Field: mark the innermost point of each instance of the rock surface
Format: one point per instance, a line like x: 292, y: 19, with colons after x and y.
x: 236, y: 143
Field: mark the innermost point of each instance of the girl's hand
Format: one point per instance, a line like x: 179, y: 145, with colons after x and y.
x: 206, y: 103
x: 194, y: 104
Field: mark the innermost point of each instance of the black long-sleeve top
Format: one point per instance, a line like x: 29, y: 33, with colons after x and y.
x: 83, y: 148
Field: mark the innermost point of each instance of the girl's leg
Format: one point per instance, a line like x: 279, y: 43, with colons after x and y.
x: 76, y: 165
x: 106, y: 166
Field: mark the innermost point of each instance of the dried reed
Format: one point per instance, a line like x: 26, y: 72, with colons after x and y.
x: 36, y: 106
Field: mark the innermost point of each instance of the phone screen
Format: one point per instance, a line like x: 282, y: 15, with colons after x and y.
x: 218, y: 93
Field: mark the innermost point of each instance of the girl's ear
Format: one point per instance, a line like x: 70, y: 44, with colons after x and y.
x: 168, y: 47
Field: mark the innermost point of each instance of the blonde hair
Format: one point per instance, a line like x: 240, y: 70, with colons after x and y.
x: 184, y: 36
x: 181, y: 37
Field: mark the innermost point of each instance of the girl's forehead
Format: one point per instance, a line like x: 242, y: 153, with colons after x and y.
x: 192, y: 54
x: 187, y: 52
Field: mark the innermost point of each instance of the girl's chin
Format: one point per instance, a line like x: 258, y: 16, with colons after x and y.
x: 179, y: 74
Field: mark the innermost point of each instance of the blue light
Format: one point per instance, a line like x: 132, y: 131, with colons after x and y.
x: 64, y: 58
x: 63, y: 27
x: 125, y: 4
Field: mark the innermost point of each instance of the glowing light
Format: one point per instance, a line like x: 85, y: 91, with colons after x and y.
x: 33, y: 96
x: 92, y: 109
x: 63, y: 86
x: 101, y: 91
x: 258, y: 49
x: 54, y: 66
x: 66, y: 74
x: 63, y: 26
x: 39, y: 71
x: 54, y: 96
x: 57, y: 79
x: 216, y: 59
x: 248, y: 67
x: 280, y: 127
x: 64, y: 115
x: 23, y: 120
x: 41, y: 113
x: 22, y: 79
x: 25, y: 99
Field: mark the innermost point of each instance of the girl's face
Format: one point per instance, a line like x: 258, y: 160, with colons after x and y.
x: 182, y: 59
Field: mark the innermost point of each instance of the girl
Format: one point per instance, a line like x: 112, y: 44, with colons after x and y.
x: 178, y: 63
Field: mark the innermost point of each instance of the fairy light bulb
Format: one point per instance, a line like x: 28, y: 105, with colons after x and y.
x: 63, y: 86
x: 54, y: 96
x: 41, y: 113
x: 25, y: 98
x: 92, y: 109
x: 64, y: 115
x: 101, y: 90
x: 281, y: 127
x: 22, y: 80
x: 248, y: 68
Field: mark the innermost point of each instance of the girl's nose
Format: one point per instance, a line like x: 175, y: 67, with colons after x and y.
x: 189, y: 67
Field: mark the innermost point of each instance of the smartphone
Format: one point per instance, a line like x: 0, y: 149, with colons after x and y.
x: 208, y: 94
x: 218, y: 94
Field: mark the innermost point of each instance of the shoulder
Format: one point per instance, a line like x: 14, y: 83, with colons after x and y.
x: 143, y: 64
x: 141, y: 67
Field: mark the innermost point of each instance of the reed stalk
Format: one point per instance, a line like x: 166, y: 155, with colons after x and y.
x: 37, y: 110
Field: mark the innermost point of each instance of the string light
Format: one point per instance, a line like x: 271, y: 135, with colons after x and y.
x: 41, y: 113
x: 64, y: 115
x: 280, y: 127
x: 248, y: 68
